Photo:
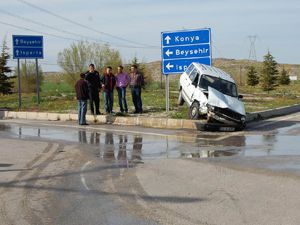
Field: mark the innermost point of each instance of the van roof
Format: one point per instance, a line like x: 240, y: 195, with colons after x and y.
x: 213, y: 71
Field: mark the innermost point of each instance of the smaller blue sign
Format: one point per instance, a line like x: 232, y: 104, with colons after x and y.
x: 28, y: 47
x: 28, y: 53
x: 186, y: 37
x: 180, y: 65
x: 187, y: 51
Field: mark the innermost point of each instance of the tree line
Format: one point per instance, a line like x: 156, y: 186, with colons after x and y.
x: 76, y: 58
x: 269, y: 75
x: 73, y: 61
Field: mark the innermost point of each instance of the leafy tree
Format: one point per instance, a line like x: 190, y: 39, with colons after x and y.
x: 5, y: 84
x: 75, y: 59
x: 103, y: 56
x: 284, y: 78
x: 269, y: 73
x: 252, y: 77
x: 28, y: 76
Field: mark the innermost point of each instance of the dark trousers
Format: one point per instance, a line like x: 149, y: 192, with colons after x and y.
x: 122, y: 99
x: 109, y: 101
x: 136, y: 93
x: 94, y: 101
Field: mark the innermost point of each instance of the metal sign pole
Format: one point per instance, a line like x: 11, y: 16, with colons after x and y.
x: 37, y: 81
x: 167, y: 94
x: 19, y: 84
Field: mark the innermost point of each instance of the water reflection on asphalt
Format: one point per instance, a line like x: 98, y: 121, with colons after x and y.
x: 128, y: 148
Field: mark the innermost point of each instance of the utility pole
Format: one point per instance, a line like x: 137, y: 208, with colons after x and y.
x: 252, y: 51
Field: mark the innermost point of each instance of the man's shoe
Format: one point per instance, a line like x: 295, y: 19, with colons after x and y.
x: 84, y: 124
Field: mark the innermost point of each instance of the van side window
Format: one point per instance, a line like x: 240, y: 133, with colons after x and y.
x: 195, y: 82
x: 205, y: 82
x: 193, y: 74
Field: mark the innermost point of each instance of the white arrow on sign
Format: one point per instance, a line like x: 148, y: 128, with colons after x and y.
x: 17, y: 52
x: 168, y: 52
x: 17, y: 41
x: 169, y: 66
x: 168, y: 39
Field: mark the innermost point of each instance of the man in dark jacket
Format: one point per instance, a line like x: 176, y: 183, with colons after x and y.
x: 108, y: 85
x: 94, y: 84
x: 136, y: 83
x: 82, y: 94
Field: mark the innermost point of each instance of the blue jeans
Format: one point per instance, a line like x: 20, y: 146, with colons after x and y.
x: 136, y: 93
x: 109, y: 101
x: 122, y: 99
x: 82, y: 107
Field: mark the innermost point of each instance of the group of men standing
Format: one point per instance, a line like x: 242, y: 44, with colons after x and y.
x: 91, y: 84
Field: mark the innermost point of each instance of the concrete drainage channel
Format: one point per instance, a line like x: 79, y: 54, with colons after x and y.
x: 152, y: 122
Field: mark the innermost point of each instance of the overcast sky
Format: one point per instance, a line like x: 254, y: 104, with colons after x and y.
x: 140, y: 22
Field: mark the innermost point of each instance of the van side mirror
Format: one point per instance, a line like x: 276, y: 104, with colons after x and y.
x: 240, y: 96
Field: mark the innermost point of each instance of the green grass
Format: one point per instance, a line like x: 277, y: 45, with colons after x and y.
x: 58, y: 96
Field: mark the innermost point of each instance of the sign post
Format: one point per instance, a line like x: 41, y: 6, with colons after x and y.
x: 37, y: 80
x: 19, y: 85
x: 180, y: 48
x: 28, y: 47
x: 167, y: 93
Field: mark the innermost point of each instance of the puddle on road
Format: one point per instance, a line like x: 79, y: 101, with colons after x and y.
x: 136, y: 148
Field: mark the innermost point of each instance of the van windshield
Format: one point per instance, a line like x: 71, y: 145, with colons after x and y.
x: 224, y: 86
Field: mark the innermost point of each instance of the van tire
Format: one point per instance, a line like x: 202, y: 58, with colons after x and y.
x: 180, y: 99
x: 194, y: 111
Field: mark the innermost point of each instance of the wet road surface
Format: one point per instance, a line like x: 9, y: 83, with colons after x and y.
x: 91, y: 175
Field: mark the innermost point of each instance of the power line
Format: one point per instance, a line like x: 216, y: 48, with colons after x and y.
x: 45, y: 25
x: 35, y: 31
x: 82, y: 25
x: 58, y: 36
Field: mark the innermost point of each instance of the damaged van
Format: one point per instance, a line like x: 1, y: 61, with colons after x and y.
x: 212, y: 94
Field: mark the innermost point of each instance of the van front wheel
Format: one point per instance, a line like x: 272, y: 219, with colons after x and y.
x: 194, y: 111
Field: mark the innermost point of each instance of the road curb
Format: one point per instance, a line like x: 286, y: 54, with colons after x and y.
x: 152, y: 122
x: 105, y: 119
x: 272, y: 113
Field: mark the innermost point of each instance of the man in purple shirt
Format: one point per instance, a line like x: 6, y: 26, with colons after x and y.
x: 123, y: 80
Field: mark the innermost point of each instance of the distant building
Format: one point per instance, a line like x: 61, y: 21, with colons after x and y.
x: 293, y: 77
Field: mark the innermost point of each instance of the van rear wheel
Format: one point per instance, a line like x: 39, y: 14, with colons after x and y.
x: 194, y: 111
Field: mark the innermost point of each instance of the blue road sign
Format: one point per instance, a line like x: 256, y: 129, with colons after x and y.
x: 180, y: 48
x: 28, y: 47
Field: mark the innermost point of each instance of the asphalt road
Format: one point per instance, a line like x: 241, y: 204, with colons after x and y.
x: 60, y: 173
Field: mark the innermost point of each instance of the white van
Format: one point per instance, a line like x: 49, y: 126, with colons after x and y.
x: 212, y: 94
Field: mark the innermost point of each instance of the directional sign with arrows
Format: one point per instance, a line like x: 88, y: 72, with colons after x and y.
x: 27, y: 47
x: 180, y: 48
